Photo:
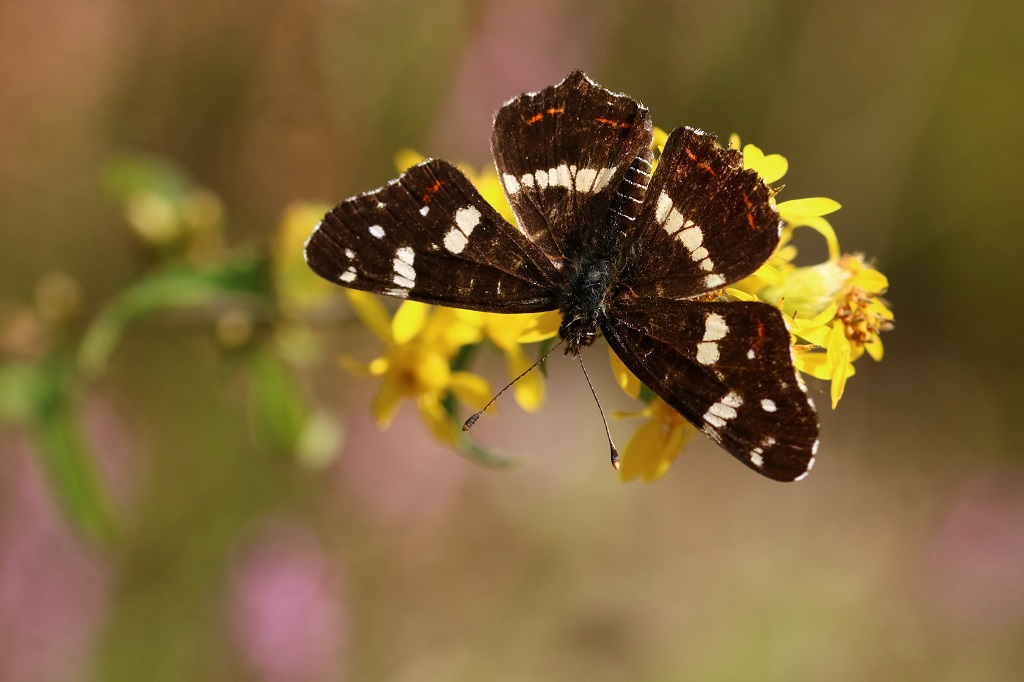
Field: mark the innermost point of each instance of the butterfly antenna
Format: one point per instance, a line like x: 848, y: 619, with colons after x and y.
x: 607, y: 431
x: 472, y: 420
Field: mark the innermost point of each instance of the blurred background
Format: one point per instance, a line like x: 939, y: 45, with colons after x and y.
x: 149, y: 530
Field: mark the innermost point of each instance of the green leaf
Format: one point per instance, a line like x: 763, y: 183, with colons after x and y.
x: 175, y: 288
x: 278, y: 408
x: 17, y: 388
x: 133, y: 174
x: 66, y: 456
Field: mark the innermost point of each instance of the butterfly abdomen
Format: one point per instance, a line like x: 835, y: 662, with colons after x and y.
x: 583, y: 301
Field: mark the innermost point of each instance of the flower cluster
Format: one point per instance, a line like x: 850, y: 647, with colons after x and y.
x: 834, y: 310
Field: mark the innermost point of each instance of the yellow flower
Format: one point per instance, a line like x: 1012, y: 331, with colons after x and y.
x: 420, y: 342
x: 835, y: 305
x: 849, y: 326
x: 298, y: 288
x: 656, y: 444
x: 509, y: 332
x: 658, y: 441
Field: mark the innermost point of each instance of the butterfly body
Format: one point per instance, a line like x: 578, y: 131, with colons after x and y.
x: 591, y: 281
x: 618, y: 248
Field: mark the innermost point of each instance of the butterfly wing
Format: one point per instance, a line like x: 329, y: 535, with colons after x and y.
x: 429, y: 236
x: 563, y: 154
x: 727, y: 367
x: 704, y: 224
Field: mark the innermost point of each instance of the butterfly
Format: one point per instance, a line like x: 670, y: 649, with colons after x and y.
x: 624, y: 251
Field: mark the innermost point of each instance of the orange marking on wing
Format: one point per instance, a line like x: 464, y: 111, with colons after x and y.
x: 750, y: 214
x: 693, y: 157
x: 610, y: 122
x: 533, y: 119
x: 432, y: 190
x: 555, y: 111
x: 708, y: 168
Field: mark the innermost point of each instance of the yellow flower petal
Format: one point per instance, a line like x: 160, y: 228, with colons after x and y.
x: 378, y: 366
x: 655, y: 445
x: 370, y: 310
x: 470, y: 389
x: 505, y: 330
x: 660, y: 137
x: 529, y: 390
x: 353, y: 366
x: 541, y: 327
x: 873, y: 346
x: 795, y: 210
x: 813, y: 364
x: 386, y: 402
x: 437, y: 418
x: 298, y: 287
x: 407, y: 158
x: 870, y: 280
x: 454, y: 329
x: 770, y: 167
x: 838, y: 361
x: 409, y: 320
x: 629, y: 383
x: 822, y: 227
x: 645, y: 454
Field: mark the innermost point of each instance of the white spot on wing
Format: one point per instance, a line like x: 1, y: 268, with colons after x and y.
x: 691, y: 237
x: 712, y: 281
x: 511, y: 184
x: 350, y: 254
x: 674, y: 221
x: 403, y: 282
x: 715, y: 327
x: 560, y: 176
x: 603, y: 178
x: 405, y: 270
x: 377, y: 231
x: 542, y: 179
x: 349, y: 275
x: 455, y: 241
x: 756, y: 459
x: 585, y: 178
x: 467, y: 219
x: 713, y: 420
x: 768, y: 405
x: 406, y: 254
x: 707, y: 352
x: 425, y: 210
x: 664, y: 206
x: 751, y: 354
x: 732, y: 399
x: 707, y: 265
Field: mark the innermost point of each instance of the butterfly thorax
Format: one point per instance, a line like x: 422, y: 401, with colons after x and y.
x: 583, y: 301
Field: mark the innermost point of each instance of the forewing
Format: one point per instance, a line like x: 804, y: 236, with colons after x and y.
x: 728, y: 369
x: 563, y: 154
x: 704, y: 224
x: 429, y: 236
